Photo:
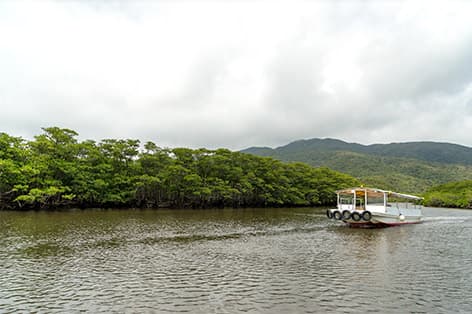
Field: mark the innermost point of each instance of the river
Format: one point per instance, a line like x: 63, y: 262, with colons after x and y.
x: 231, y: 261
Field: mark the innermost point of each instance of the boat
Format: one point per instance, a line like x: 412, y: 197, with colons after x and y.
x: 370, y: 207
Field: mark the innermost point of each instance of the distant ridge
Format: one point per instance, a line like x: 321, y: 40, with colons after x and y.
x: 405, y: 167
x: 424, y: 150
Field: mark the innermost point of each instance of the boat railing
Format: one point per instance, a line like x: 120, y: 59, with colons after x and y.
x: 403, y: 208
x: 402, y: 205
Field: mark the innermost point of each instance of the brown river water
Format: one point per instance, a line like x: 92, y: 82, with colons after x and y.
x: 232, y: 261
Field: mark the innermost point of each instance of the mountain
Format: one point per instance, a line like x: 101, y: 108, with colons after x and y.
x: 407, y: 167
x: 426, y: 151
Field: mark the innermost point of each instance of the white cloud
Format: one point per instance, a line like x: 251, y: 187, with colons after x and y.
x: 238, y: 73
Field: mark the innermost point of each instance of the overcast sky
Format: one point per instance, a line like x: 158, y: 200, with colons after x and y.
x: 238, y: 73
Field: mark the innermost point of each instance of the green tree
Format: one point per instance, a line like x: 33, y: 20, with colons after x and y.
x: 56, y: 170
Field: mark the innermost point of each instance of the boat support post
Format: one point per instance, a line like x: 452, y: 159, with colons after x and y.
x: 354, y: 200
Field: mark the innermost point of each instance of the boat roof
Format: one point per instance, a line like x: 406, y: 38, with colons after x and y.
x: 360, y: 191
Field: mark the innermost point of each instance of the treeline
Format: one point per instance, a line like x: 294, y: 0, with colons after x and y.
x: 453, y: 194
x: 55, y: 170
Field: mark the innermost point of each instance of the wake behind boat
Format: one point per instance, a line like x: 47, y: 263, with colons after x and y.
x: 371, y: 207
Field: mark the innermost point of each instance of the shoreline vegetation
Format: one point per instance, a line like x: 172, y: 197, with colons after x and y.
x: 56, y: 171
x: 453, y: 194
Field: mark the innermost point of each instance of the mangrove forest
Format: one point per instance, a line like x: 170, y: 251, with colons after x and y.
x: 56, y: 170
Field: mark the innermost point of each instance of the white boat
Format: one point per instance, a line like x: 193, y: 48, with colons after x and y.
x: 369, y: 207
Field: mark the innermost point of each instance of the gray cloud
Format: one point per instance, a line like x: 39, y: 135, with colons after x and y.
x: 235, y: 74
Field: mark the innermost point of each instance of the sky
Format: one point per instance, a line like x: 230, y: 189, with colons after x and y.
x: 237, y: 74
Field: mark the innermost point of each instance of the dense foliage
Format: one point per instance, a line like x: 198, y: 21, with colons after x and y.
x: 375, y: 165
x: 56, y: 170
x: 453, y: 194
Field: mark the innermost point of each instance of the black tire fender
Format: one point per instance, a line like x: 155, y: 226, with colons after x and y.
x: 356, y: 216
x: 337, y: 215
x: 346, y: 214
x: 367, y: 215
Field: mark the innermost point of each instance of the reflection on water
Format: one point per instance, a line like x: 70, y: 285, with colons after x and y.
x: 225, y: 261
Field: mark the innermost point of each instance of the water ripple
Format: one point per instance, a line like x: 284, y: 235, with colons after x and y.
x: 252, y: 261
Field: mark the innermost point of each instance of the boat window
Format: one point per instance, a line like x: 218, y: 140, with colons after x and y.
x: 345, y: 200
x: 375, y: 199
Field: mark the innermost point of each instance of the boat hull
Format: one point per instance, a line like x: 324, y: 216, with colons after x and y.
x: 379, y: 224
x: 379, y: 219
x: 394, y: 220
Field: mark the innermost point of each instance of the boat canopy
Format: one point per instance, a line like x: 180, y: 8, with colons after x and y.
x: 361, y: 192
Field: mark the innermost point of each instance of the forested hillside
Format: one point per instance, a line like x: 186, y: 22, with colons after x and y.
x: 453, y: 194
x: 56, y: 170
x: 388, y: 166
x: 425, y: 151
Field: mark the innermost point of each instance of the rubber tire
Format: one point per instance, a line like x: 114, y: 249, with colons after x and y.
x: 329, y: 214
x: 356, y: 216
x: 346, y: 214
x: 367, y: 215
x: 337, y: 215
